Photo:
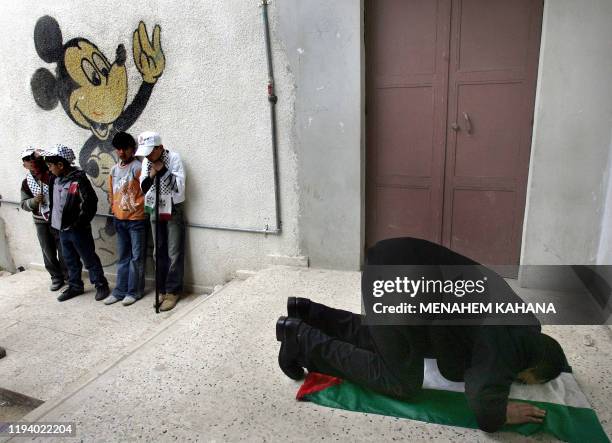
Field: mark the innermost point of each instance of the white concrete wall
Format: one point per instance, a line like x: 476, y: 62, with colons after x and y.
x: 570, y: 167
x: 604, y: 254
x: 210, y: 105
x: 324, y: 44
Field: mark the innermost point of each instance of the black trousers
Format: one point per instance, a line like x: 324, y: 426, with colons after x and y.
x: 384, y: 359
x: 48, y: 238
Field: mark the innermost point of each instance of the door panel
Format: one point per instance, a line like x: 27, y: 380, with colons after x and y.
x: 494, y: 34
x: 474, y: 231
x: 402, y: 114
x: 401, y: 217
x: 407, y: 83
x: 492, y: 78
x: 407, y: 41
x: 492, y: 148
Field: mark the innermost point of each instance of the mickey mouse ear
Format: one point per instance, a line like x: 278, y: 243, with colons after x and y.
x: 48, y: 39
x: 43, y: 85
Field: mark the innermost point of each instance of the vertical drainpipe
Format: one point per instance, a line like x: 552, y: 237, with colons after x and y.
x: 272, y: 99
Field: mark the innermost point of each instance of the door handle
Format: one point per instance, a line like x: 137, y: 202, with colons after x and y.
x: 468, y: 122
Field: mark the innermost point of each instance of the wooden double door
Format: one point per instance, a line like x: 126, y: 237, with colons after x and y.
x: 450, y: 91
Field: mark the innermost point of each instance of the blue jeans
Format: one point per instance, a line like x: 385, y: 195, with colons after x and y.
x: 78, y: 244
x: 131, y: 242
x: 170, y: 269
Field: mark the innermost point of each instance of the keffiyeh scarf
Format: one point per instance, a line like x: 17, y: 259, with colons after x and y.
x: 166, y: 186
x: 38, y: 187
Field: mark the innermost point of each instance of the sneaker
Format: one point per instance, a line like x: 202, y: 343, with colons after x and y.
x: 111, y: 299
x: 56, y: 285
x: 129, y: 300
x: 169, y: 302
x: 68, y: 293
x: 102, y: 292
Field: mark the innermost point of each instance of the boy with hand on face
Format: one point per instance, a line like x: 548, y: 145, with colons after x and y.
x: 35, y: 199
x: 166, y: 165
x: 73, y: 204
x: 127, y: 205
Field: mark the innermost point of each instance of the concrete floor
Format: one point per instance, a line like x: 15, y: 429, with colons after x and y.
x: 52, y: 346
x: 210, y: 373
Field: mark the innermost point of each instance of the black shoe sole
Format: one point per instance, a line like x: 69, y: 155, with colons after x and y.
x: 290, y: 369
x: 280, y: 328
x: 292, y: 307
x: 54, y: 288
x: 297, y: 304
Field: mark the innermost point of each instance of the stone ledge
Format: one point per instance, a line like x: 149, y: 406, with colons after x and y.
x: 287, y: 260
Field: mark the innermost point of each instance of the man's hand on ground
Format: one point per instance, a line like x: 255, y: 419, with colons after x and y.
x: 517, y: 413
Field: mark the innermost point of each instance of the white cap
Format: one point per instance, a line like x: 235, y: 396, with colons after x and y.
x: 59, y: 150
x: 146, y: 142
x: 27, y: 152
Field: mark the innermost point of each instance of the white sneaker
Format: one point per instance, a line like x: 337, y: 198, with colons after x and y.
x: 128, y: 300
x: 111, y: 299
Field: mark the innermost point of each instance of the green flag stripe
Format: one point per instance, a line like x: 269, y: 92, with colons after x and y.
x: 450, y: 408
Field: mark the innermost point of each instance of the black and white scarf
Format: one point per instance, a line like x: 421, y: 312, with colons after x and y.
x: 38, y: 187
x: 166, y: 186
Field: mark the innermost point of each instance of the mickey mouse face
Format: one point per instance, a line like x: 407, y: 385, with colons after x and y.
x: 91, y: 90
x: 101, y: 93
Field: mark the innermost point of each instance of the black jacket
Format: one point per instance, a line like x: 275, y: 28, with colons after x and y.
x: 81, y: 203
x: 487, y: 358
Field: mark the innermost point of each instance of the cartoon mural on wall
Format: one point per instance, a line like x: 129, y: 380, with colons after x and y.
x: 93, y: 92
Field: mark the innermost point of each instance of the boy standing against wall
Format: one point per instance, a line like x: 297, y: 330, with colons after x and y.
x: 127, y: 205
x: 168, y: 167
x: 35, y: 199
x: 73, y: 204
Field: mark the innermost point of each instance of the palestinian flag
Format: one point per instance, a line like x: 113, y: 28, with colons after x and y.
x: 569, y: 416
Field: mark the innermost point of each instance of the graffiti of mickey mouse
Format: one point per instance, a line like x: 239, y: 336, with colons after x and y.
x: 93, y: 92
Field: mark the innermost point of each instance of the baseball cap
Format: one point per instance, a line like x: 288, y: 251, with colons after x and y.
x: 59, y: 150
x: 27, y: 152
x: 146, y: 142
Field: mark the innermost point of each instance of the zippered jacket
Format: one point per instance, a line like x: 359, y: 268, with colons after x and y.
x: 81, y: 202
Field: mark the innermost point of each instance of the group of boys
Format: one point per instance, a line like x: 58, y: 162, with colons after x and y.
x: 63, y: 204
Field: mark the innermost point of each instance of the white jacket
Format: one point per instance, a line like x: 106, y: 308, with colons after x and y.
x: 176, y: 170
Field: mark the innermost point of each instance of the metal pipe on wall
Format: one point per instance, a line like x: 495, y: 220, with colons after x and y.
x: 189, y: 225
x: 272, y: 99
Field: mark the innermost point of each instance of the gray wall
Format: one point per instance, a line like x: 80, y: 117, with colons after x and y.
x: 323, y: 41
x: 604, y: 255
x: 570, y: 166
